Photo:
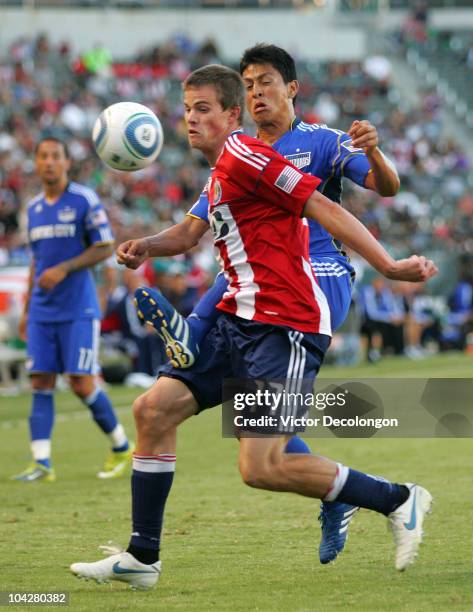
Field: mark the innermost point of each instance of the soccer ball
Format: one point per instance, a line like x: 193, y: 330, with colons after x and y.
x: 127, y: 136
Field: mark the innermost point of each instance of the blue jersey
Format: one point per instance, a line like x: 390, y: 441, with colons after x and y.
x: 323, y: 152
x: 57, y: 232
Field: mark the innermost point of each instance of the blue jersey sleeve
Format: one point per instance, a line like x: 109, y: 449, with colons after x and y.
x: 97, y: 226
x: 347, y: 161
x: 200, y: 209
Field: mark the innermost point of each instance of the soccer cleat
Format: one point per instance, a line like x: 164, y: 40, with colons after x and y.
x: 406, y: 525
x: 173, y: 329
x: 116, y: 463
x: 122, y: 567
x: 334, y: 519
x: 36, y: 472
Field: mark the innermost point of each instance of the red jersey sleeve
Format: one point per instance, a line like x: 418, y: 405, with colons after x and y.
x: 261, y: 170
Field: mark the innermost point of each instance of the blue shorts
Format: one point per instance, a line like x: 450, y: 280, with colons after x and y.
x: 69, y: 347
x: 247, y: 350
x: 335, y: 277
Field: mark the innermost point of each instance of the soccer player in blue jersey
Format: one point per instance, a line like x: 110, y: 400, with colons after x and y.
x: 270, y: 78
x: 69, y: 233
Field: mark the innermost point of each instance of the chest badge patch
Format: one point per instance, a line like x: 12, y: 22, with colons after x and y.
x: 66, y: 215
x: 217, y: 192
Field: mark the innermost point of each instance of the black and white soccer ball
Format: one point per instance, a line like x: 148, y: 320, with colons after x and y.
x: 127, y: 136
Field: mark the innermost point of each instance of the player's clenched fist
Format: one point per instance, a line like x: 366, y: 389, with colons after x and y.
x: 416, y: 268
x: 363, y: 135
x: 133, y: 253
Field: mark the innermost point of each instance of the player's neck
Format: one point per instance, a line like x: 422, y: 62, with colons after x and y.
x: 53, y: 191
x: 272, y: 131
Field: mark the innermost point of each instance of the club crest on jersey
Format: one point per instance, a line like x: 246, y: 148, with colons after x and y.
x: 38, y: 208
x: 217, y: 192
x: 300, y: 160
x: 66, y: 215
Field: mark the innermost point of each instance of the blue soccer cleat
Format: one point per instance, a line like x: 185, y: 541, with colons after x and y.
x: 334, y: 520
x: 173, y: 329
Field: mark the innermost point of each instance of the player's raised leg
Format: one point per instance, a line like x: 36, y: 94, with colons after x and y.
x: 264, y: 465
x: 157, y: 414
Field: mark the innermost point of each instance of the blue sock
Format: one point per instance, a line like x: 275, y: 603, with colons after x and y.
x: 102, y: 410
x: 41, y: 425
x: 297, y: 445
x: 149, y: 491
x: 372, y: 493
x: 204, y: 316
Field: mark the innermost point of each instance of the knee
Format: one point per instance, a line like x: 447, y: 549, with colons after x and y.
x: 82, y: 386
x: 254, y: 475
x: 44, y: 382
x: 150, y: 415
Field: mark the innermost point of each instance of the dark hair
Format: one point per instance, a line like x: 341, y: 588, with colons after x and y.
x: 53, y: 139
x: 264, y: 53
x: 226, y: 81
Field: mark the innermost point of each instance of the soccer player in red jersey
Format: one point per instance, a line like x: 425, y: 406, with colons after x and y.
x: 267, y: 332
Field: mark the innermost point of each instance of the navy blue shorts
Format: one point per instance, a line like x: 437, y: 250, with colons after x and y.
x: 247, y: 350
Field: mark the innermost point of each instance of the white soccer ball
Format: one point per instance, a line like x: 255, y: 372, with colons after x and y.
x: 127, y: 136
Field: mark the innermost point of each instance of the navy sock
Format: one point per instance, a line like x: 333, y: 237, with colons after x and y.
x: 372, y: 492
x: 41, y: 423
x: 150, y: 485
x: 205, y: 314
x: 102, y: 410
x: 297, y: 445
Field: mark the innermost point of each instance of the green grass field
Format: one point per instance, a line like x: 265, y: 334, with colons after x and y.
x: 225, y: 546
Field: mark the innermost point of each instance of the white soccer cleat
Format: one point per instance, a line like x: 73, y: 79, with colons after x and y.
x: 406, y: 525
x: 123, y: 567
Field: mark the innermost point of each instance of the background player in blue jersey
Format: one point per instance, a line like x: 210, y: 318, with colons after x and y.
x: 69, y: 233
x: 270, y: 78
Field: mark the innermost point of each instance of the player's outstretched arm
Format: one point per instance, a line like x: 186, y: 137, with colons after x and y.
x: 383, y: 177
x: 346, y: 228
x: 173, y: 241
x: 90, y: 257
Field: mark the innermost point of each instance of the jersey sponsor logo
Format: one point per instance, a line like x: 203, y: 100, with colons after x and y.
x: 67, y: 214
x: 219, y: 226
x: 217, y: 192
x: 300, y: 160
x: 60, y: 230
x: 348, y: 146
x: 288, y: 179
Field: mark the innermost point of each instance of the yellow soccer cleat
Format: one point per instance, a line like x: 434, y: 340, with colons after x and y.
x: 36, y: 472
x: 117, y: 463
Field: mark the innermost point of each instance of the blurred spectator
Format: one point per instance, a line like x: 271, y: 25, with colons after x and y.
x: 384, y: 316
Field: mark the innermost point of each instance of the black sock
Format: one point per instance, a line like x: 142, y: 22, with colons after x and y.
x: 372, y: 493
x: 150, y: 485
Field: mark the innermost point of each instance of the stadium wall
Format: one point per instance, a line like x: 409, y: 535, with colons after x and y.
x: 311, y: 34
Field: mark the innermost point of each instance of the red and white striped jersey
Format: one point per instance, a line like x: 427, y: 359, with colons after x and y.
x: 256, y: 199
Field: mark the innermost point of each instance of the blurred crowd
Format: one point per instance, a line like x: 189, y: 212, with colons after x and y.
x: 46, y: 88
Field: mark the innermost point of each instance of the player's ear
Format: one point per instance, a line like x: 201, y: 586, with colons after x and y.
x: 293, y: 89
x: 236, y: 114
